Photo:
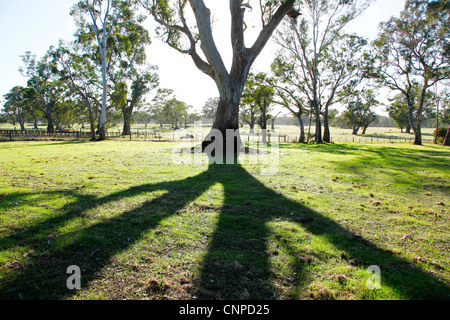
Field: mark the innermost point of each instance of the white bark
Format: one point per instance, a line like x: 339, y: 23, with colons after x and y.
x: 102, y: 41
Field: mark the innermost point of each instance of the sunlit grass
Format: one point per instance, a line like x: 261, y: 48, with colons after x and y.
x: 142, y: 227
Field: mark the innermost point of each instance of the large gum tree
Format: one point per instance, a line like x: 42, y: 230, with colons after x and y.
x: 409, y: 55
x: 190, y: 30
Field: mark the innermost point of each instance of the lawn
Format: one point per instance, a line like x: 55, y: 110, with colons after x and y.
x: 142, y: 227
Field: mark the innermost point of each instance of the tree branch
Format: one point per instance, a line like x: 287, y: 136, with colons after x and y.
x: 268, y: 30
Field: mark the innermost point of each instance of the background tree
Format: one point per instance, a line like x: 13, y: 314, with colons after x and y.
x: 178, y: 32
x: 260, y: 96
x: 192, y: 116
x: 248, y: 112
x: 157, y: 108
x: 77, y: 69
x: 408, y: 55
x: 440, y: 10
x: 127, y: 99
x: 249, y: 109
x: 19, y: 103
x: 287, y: 83
x: 319, y: 56
x: 131, y: 76
x: 359, y: 111
x: 143, y: 116
x: 398, y: 111
x: 105, y: 25
x: 41, y: 76
x: 210, y: 108
x: 174, y: 111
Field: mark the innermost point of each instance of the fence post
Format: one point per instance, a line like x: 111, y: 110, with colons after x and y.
x: 10, y: 135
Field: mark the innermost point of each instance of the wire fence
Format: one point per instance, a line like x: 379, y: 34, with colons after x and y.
x: 147, y: 135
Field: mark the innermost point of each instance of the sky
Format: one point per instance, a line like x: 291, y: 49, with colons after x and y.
x: 35, y: 25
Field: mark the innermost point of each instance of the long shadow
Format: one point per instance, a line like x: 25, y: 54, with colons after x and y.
x: 243, y: 232
x: 237, y: 264
x: 406, y: 166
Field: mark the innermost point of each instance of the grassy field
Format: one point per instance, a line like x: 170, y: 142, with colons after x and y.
x: 141, y: 227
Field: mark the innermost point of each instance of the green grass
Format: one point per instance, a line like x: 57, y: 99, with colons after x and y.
x: 141, y: 227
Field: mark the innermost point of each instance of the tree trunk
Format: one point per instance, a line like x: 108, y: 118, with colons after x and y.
x: 264, y: 123
x: 126, y: 111
x: 418, y: 135
x: 91, y: 121
x: 309, y: 127
x: 225, y: 129
x: 326, y: 127
x: 355, y: 129
x: 50, y: 126
x: 415, y: 127
x: 301, y: 138
x: 447, y: 138
x: 364, y: 129
x: 408, y: 128
x: 102, y: 120
x: 318, y: 138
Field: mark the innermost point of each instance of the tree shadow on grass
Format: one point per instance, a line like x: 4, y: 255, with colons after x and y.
x: 403, y: 166
x: 238, y: 260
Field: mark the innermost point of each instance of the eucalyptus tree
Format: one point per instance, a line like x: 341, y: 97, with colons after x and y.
x: 132, y: 77
x: 143, y: 116
x: 359, y: 111
x: 287, y: 83
x: 258, y: 94
x: 104, y: 25
x: 248, y: 110
x: 19, y: 103
x: 323, y: 58
x: 409, y: 55
x: 398, y: 111
x: 175, y: 111
x: 69, y: 109
x: 128, y: 97
x: 210, y: 107
x: 440, y: 10
x: 41, y: 77
x: 187, y: 35
x: 163, y: 95
x: 77, y: 69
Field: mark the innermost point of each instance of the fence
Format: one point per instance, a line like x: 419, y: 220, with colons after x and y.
x: 42, y: 134
x: 13, y: 135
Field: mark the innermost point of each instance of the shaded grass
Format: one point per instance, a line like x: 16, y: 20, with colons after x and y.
x: 141, y: 227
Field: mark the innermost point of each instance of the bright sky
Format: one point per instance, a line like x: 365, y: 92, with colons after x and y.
x: 35, y: 25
